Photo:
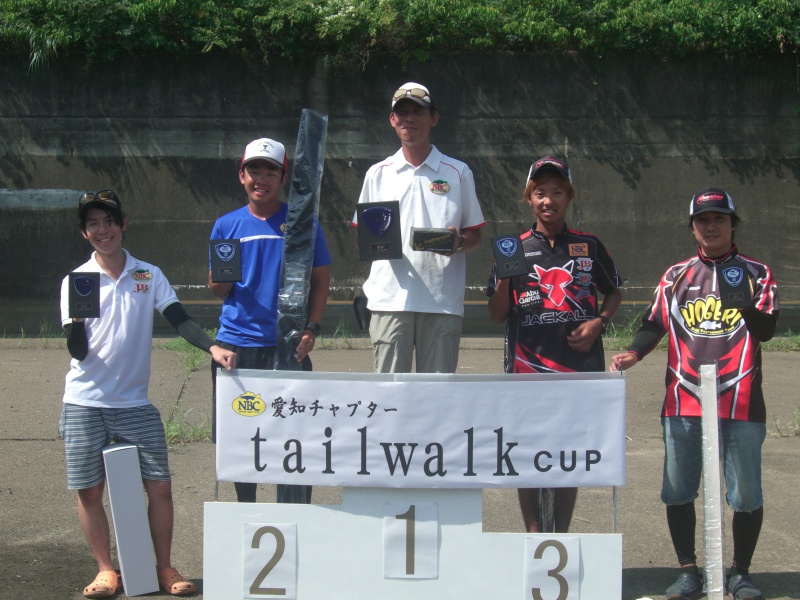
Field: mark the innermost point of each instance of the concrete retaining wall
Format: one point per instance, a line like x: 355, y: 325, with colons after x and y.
x: 642, y: 135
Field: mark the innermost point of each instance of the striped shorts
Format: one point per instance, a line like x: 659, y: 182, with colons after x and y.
x: 87, y: 429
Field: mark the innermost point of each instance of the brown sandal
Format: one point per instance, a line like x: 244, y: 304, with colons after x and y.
x: 106, y: 585
x: 174, y: 583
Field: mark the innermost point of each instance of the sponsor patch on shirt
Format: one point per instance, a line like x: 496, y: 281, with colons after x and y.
x: 579, y: 249
x: 440, y: 186
x: 537, y: 253
x: 707, y: 317
x: 141, y: 288
x: 584, y: 264
x: 142, y: 275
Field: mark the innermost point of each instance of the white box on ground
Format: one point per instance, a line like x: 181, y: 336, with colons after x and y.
x: 129, y: 513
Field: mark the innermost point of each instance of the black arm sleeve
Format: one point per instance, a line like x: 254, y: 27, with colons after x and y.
x: 188, y: 329
x: 646, y: 339
x: 760, y: 325
x: 77, y: 342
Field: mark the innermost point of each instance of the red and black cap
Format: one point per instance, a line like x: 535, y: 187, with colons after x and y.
x: 711, y: 199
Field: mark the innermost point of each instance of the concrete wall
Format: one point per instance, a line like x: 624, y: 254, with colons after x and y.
x: 167, y: 134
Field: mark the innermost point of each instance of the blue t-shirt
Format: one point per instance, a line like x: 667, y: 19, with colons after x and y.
x: 250, y: 312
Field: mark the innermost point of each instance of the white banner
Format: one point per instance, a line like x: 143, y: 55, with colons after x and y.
x: 421, y: 430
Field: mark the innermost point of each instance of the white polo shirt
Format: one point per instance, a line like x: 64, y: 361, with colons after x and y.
x: 439, y: 193
x: 116, y: 372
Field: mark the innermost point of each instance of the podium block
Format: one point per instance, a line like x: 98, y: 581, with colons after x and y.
x: 129, y: 514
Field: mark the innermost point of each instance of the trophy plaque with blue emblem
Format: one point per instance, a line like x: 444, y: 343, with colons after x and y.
x: 509, y: 256
x: 379, y: 230
x: 734, y: 285
x: 226, y: 260
x: 84, y: 295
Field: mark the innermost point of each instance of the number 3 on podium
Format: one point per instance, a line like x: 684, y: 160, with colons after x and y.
x: 552, y: 568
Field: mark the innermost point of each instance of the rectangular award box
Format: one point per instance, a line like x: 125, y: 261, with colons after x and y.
x: 432, y: 240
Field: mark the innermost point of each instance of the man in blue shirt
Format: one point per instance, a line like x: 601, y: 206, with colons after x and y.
x: 248, y: 322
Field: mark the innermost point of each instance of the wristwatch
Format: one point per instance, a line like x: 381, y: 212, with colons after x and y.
x: 604, y: 320
x: 314, y: 327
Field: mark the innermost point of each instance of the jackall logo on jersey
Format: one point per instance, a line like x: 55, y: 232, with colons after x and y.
x: 142, y: 275
x: 579, y: 249
x: 440, y: 186
x: 554, y: 282
x: 225, y: 251
x: 249, y: 404
x: 707, y: 317
x: 733, y: 275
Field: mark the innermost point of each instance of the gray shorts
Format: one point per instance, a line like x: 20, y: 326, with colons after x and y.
x: 430, y: 339
x: 87, y: 429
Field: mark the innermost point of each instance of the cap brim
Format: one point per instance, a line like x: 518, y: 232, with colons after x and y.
x: 418, y: 101
x: 720, y: 209
x: 271, y: 161
x: 83, y: 208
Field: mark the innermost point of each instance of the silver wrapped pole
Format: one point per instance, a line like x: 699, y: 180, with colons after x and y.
x: 712, y: 486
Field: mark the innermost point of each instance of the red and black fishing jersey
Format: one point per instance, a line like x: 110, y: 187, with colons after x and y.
x: 686, y: 305
x: 558, y: 294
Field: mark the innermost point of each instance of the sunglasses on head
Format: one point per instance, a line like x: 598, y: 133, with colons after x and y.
x: 413, y: 92
x: 104, y: 196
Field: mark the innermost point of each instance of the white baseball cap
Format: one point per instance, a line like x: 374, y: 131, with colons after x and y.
x: 416, y: 92
x: 266, y: 149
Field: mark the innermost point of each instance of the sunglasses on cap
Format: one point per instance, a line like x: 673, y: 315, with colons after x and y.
x: 413, y: 92
x: 105, y: 196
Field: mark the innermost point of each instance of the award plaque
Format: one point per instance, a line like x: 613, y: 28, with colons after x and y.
x: 509, y: 256
x: 226, y: 260
x: 84, y: 295
x: 432, y: 240
x: 379, y: 230
x: 734, y: 285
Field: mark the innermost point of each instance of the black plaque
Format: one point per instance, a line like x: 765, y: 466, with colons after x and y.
x: 84, y: 295
x: 379, y: 230
x: 509, y: 256
x: 226, y: 260
x: 734, y: 285
x: 432, y: 240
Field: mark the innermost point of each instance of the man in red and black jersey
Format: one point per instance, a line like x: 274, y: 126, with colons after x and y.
x: 702, y: 329
x: 553, y: 323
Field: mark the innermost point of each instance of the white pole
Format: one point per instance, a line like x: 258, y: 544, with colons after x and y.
x: 712, y: 486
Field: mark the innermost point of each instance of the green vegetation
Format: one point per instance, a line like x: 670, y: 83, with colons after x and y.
x: 194, y: 358
x: 178, y: 430
x: 349, y: 31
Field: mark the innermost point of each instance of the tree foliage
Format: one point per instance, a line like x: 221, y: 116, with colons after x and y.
x: 350, y: 30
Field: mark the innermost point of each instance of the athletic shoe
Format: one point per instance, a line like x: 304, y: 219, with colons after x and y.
x: 740, y: 587
x: 687, y: 587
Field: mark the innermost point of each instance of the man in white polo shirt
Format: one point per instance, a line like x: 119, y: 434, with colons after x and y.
x: 417, y: 301
x: 105, y: 396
